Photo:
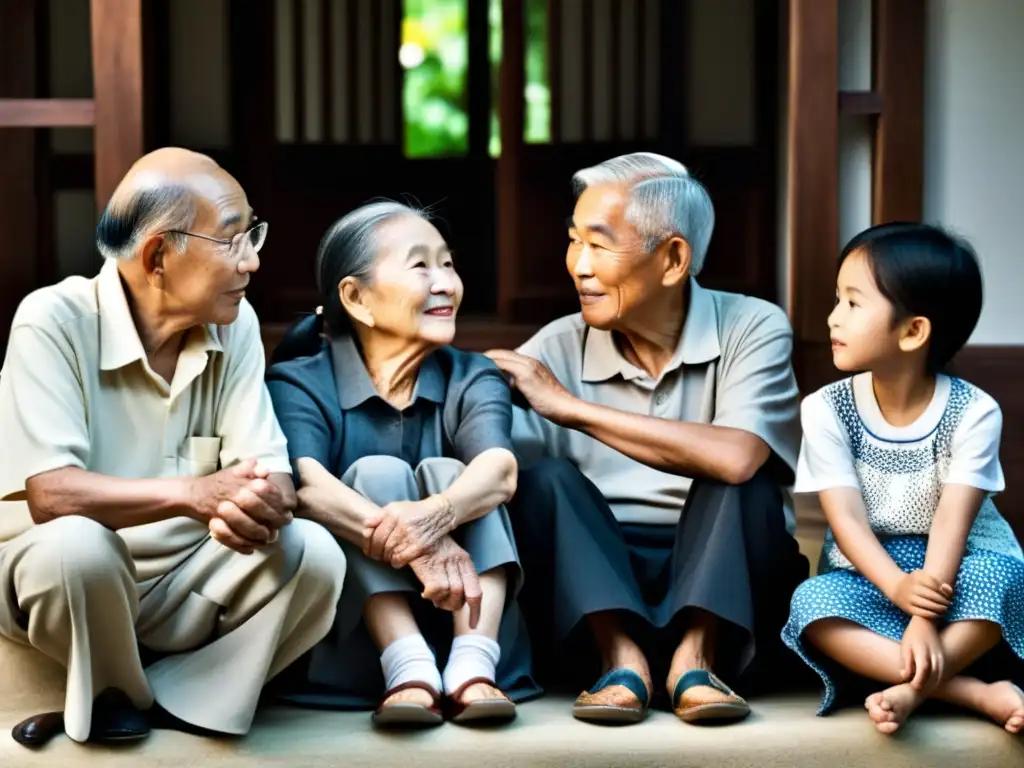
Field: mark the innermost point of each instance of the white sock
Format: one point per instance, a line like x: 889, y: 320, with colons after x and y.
x: 471, y: 656
x: 407, y: 659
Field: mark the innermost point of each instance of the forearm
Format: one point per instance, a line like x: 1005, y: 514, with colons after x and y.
x: 286, y: 487
x: 852, y: 531
x: 488, y: 480
x: 326, y: 500
x: 111, y: 501
x: 947, y: 538
x: 680, y: 448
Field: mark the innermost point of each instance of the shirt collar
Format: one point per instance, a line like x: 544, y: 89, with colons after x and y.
x: 354, y: 384
x: 698, y: 343
x: 120, y: 344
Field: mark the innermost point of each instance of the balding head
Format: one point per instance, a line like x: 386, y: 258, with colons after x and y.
x: 166, y: 189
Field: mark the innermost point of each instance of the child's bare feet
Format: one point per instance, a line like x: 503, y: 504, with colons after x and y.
x: 890, y: 708
x: 1004, y: 703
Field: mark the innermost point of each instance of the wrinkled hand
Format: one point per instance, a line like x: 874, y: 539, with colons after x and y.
x: 921, y: 594
x: 406, y: 530
x: 449, y: 579
x: 922, y: 661
x: 241, y: 507
x: 535, y: 382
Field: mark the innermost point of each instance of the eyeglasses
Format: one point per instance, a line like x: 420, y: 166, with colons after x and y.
x: 256, y: 234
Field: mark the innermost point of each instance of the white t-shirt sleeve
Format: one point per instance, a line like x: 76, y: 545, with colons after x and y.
x: 975, y: 447
x: 826, y: 460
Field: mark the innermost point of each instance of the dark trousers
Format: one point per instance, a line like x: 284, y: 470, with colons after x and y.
x: 730, y: 555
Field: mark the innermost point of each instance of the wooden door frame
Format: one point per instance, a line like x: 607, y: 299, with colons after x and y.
x: 115, y: 113
x: 895, y: 105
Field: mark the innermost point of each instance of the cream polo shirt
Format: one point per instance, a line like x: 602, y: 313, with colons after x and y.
x: 76, y: 390
x: 732, y: 367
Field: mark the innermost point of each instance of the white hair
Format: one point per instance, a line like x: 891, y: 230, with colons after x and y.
x: 159, y: 208
x: 664, y: 200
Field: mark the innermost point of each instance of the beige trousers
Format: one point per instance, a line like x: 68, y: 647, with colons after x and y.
x: 72, y: 589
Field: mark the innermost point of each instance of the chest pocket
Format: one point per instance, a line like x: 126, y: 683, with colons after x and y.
x: 199, y: 456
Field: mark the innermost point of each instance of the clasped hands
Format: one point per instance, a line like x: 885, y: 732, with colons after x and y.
x: 925, y: 599
x: 417, y: 534
x: 243, y: 509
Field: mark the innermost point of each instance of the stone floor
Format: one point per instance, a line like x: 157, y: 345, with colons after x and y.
x: 782, y: 733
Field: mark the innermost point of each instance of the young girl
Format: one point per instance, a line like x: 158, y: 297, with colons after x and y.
x: 921, y: 576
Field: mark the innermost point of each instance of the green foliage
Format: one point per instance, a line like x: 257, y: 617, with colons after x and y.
x: 435, y: 92
x: 435, y: 55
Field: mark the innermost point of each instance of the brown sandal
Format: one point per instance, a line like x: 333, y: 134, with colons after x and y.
x: 496, y: 710
x: 407, y: 713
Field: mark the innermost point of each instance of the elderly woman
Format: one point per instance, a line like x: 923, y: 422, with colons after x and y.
x: 402, y: 448
x: 664, y: 418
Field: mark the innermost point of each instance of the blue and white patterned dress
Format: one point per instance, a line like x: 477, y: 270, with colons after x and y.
x: 900, y: 472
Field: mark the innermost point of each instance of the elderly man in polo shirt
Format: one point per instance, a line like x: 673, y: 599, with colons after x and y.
x: 137, y: 429
x: 662, y: 423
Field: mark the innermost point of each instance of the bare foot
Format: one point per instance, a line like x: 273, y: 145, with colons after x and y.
x: 481, y: 692
x: 1004, y: 703
x: 688, y: 657
x: 890, y: 708
x: 630, y: 657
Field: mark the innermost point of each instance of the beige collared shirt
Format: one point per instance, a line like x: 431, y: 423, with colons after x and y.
x: 731, y: 368
x: 76, y: 390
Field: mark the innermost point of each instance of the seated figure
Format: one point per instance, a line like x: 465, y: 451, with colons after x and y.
x: 662, y: 421
x: 921, y: 590
x: 161, y: 565
x: 403, y: 448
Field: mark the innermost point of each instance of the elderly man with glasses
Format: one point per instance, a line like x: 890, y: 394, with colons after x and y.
x: 161, y: 563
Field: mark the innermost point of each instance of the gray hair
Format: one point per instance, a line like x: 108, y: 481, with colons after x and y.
x: 350, y: 248
x: 158, y: 208
x: 664, y: 200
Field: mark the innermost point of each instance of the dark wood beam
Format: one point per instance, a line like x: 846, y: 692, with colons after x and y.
x: 813, y: 174
x: 860, y: 103
x: 899, y: 42
x: 117, y: 72
x: 511, y: 117
x: 46, y: 113
x: 554, y: 68
x: 674, y: 27
x: 19, y: 264
x: 478, y: 94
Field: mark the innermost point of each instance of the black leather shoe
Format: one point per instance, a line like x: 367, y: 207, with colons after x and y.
x: 116, y: 720
x: 38, y: 729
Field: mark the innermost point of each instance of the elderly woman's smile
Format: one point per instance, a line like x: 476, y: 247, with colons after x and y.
x: 412, y: 291
x: 446, y: 311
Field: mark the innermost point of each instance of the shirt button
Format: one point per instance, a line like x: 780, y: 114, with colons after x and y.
x: 661, y: 398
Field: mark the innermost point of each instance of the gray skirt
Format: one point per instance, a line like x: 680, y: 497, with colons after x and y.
x: 343, y: 671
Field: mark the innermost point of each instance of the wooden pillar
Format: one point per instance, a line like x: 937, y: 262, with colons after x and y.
x: 117, y: 72
x: 812, y: 182
x: 511, y: 117
x: 899, y: 41
x: 18, y: 222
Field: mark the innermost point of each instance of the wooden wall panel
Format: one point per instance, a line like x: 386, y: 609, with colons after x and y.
x: 44, y: 113
x: 18, y: 223
x: 899, y: 40
x: 117, y: 61
x: 812, y: 178
x: 511, y: 116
